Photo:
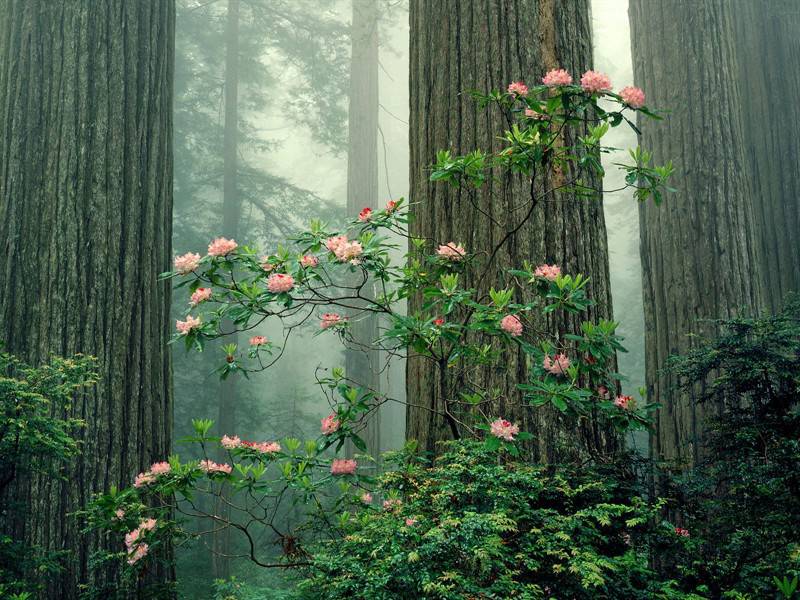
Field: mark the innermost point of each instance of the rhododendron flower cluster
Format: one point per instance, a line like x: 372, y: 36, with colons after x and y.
x: 258, y: 340
x: 210, y: 466
x: 343, y: 466
x: 149, y: 476
x: 557, y: 77
x: 410, y: 522
x: 200, y: 295
x: 221, y: 247
x: 330, y: 424
x: 534, y: 114
x: 518, y: 88
x: 505, y: 430
x: 263, y: 447
x: 511, y: 325
x: 309, y: 261
x: 623, y: 402
x: 230, y: 443
x: 329, y: 320
x: 187, y: 263
x: 632, y: 96
x: 366, y: 498
x: 451, y: 251
x: 184, y: 327
x: 365, y: 214
x: 550, y: 272
x: 681, y: 532
x: 391, y: 206
x: 558, y: 365
x: 278, y: 283
x: 136, y: 548
x: 594, y: 81
x: 439, y: 321
x: 266, y: 265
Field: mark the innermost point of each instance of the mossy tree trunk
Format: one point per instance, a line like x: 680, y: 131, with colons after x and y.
x: 700, y: 250
x: 483, y: 45
x: 85, y: 224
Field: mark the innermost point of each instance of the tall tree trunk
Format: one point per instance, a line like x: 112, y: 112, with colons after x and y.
x: 768, y: 51
x: 700, y: 249
x: 85, y: 223
x: 485, y: 44
x: 231, y: 216
x: 362, y: 363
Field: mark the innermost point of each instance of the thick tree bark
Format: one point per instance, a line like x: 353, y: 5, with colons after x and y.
x: 483, y: 45
x: 85, y: 224
x: 363, y: 363
x: 768, y: 51
x: 231, y: 217
x: 700, y: 250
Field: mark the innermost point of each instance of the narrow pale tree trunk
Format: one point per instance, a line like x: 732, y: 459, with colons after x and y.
x: 700, y: 250
x: 85, y: 227
x: 231, y: 216
x: 363, y: 363
x: 768, y: 51
x: 483, y: 45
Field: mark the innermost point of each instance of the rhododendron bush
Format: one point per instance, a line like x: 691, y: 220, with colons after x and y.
x: 327, y: 277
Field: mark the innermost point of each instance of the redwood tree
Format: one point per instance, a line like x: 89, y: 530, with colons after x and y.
x: 482, y: 45
x: 701, y: 250
x: 85, y: 223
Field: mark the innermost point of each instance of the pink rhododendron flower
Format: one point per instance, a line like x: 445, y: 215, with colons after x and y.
x: 557, y: 77
x: 332, y: 243
x: 410, y: 522
x: 330, y: 319
x: 392, y: 503
x: 221, y: 247
x: 230, y: 443
x: 451, y: 251
x: 343, y: 466
x: 184, y: 327
x: 366, y: 498
x: 160, y: 468
x: 682, y: 532
x: 187, y: 263
x: 534, y: 114
x: 132, y: 537
x: 258, y: 340
x: 263, y: 447
x: 558, y: 365
x: 330, y: 424
x: 309, y: 261
x: 200, y: 295
x: 550, y: 272
x: 147, y: 525
x: 143, y: 479
x: 439, y: 321
x: 391, y: 206
x: 511, y: 325
x: 632, y: 96
x: 138, y: 553
x: 518, y: 88
x: 365, y: 214
x: 280, y: 282
x: 594, y: 81
x: 505, y: 430
x: 625, y: 402
x: 348, y: 251
x: 119, y: 514
x: 211, y: 467
x: 266, y: 265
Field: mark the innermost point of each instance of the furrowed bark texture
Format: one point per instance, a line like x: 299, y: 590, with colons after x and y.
x: 700, y: 249
x: 362, y: 363
x: 231, y: 217
x: 768, y: 51
x: 483, y: 45
x: 85, y: 227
